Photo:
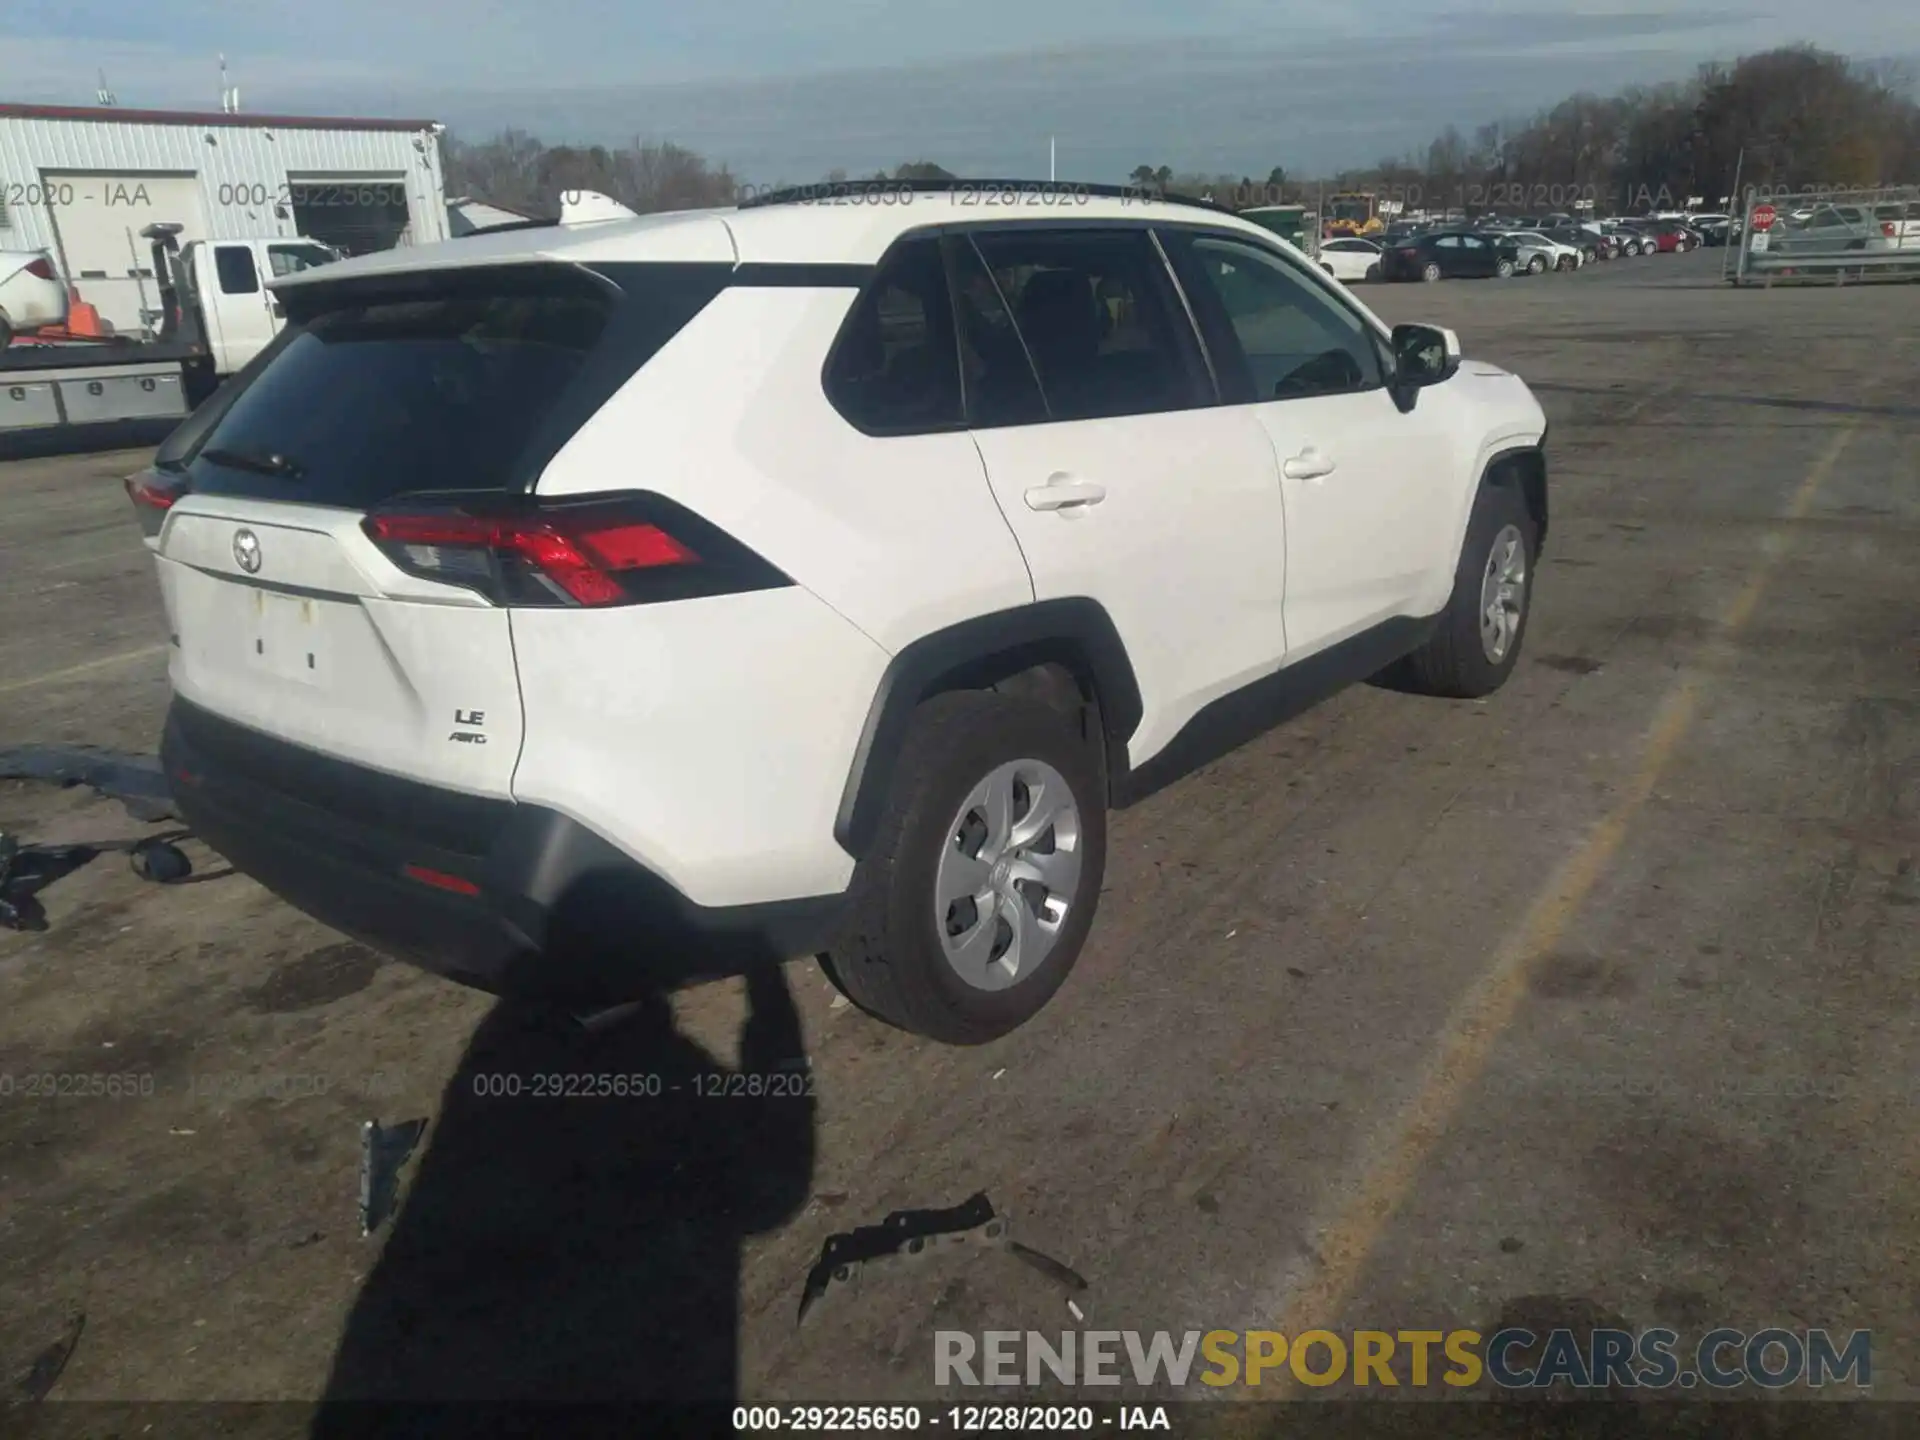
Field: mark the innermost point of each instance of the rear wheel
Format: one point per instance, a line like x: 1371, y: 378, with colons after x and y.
x: 1475, y: 645
x: 1373, y: 271
x: 1504, y: 269
x: 1431, y: 272
x: 978, y: 893
x: 1536, y: 265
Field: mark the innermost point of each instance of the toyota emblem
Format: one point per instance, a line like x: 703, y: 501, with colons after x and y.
x: 246, y: 551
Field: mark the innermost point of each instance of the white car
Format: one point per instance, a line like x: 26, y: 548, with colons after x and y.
x: 32, y: 294
x: 1540, y: 252
x: 644, y: 600
x: 1350, y: 258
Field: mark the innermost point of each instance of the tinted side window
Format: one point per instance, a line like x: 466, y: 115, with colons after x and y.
x: 1000, y: 384
x: 1101, y: 321
x: 1282, y: 336
x: 895, y: 369
x: 234, y: 265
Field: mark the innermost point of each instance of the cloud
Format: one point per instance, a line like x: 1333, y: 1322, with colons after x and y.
x: 788, y: 92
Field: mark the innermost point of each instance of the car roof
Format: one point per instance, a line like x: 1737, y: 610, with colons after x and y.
x: 855, y: 231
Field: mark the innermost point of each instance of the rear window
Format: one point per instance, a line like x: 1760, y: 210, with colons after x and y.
x: 469, y: 385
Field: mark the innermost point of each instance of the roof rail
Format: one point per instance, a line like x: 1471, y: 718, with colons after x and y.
x: 831, y: 190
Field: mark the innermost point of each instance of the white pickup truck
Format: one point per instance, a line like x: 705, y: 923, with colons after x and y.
x: 215, y: 314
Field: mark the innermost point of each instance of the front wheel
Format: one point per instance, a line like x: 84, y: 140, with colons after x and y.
x: 1473, y: 648
x: 1504, y: 269
x: 1373, y: 272
x: 977, y: 895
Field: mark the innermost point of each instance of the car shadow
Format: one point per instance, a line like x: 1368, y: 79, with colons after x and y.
x: 573, y: 1234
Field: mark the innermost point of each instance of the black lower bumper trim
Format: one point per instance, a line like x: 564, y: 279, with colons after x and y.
x: 558, y: 912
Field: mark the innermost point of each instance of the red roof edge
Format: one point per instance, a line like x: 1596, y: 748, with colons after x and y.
x: 243, y: 120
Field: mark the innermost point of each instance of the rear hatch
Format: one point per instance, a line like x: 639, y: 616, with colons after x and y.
x: 339, y: 539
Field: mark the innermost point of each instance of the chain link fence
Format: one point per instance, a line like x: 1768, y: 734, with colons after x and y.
x: 1833, y: 237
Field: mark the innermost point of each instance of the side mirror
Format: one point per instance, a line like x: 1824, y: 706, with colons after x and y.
x: 1423, y: 355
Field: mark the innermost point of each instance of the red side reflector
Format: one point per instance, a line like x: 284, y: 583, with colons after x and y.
x: 440, y: 880
x: 41, y: 269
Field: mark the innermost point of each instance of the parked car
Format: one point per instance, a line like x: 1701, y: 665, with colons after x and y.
x: 1539, y: 253
x: 32, y: 294
x: 1635, y: 239
x: 397, y: 580
x: 1590, y: 245
x: 1904, y: 217
x: 1714, y: 230
x: 1835, y: 227
x: 1671, y: 237
x: 1350, y: 258
x: 1451, y: 254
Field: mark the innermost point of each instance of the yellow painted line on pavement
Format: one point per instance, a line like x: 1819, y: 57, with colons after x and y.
x: 1467, y: 1041
x: 106, y: 662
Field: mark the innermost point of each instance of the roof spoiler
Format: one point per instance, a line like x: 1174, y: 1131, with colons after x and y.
x: 586, y: 207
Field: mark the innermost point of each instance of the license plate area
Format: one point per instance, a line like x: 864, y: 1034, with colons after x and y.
x: 285, y: 637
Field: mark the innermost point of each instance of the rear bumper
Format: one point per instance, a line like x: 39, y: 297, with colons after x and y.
x: 517, y: 899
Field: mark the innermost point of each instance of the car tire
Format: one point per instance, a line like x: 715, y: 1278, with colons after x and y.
x: 1496, y: 567
x: 1373, y: 272
x: 1537, y: 265
x: 1504, y: 269
x: 1430, y: 272
x: 1587, y: 257
x: 891, y: 955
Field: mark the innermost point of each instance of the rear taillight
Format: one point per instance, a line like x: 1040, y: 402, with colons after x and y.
x: 1887, y: 228
x: 601, y: 552
x: 153, y: 494
x: 41, y: 269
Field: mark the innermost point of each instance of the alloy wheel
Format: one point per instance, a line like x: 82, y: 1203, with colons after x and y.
x: 1503, y: 593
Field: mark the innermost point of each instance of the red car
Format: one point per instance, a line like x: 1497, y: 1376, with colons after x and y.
x: 1671, y: 237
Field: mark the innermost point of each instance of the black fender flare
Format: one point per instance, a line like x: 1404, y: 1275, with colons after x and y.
x: 973, y: 654
x: 1528, y: 465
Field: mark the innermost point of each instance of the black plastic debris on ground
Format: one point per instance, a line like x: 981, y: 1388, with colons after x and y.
x: 384, y: 1149
x: 911, y: 1234
x: 136, y: 781
x: 26, y: 870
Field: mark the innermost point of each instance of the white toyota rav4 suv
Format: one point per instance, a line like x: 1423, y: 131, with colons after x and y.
x: 588, y: 608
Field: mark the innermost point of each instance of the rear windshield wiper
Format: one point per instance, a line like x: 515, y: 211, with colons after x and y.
x: 259, y: 464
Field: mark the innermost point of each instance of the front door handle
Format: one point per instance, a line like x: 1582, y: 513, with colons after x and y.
x: 1062, y: 492
x: 1309, y: 464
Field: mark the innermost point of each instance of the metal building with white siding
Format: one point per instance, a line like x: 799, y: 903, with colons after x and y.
x: 81, y: 181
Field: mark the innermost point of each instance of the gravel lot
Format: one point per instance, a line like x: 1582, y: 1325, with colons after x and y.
x: 1596, y: 999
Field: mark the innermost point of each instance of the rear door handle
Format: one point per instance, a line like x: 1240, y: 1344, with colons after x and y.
x: 1309, y: 464
x: 1062, y: 492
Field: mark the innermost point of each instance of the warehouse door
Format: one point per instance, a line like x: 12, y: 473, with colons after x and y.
x: 97, y: 230
x: 353, y: 213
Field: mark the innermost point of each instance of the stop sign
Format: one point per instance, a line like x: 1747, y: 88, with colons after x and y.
x: 1763, y: 217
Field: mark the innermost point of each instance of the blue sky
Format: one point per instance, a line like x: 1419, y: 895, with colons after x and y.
x: 786, y: 91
